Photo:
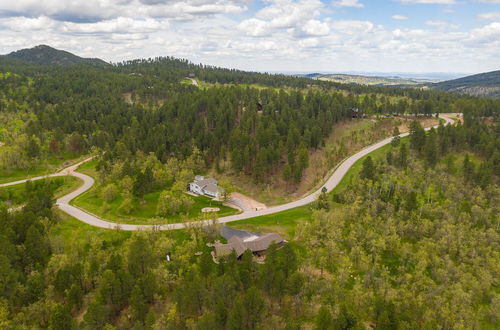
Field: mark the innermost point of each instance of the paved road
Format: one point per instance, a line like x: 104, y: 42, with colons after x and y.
x: 84, y: 216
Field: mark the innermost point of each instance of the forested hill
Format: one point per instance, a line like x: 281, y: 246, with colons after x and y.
x: 154, y: 73
x: 483, y: 84
x: 46, y: 55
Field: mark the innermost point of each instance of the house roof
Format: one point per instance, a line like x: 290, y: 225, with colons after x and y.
x: 211, y: 188
x: 237, y: 244
x: 228, y: 232
x: 223, y: 249
x: 206, y: 181
x: 262, y: 243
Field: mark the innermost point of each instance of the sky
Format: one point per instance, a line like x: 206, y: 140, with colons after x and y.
x: 267, y: 35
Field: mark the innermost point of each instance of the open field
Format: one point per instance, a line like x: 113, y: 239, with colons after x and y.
x: 51, y: 165
x: 143, y: 212
x: 15, y: 195
x: 368, y: 80
x: 70, y: 231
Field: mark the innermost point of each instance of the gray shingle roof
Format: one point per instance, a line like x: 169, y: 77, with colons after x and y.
x: 256, y: 245
x: 206, y: 182
x: 262, y: 243
x: 238, y: 245
x: 211, y: 188
x: 228, y: 232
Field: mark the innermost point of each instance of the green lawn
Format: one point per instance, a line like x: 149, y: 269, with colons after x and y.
x: 16, y: 195
x: 15, y: 175
x: 70, y: 231
x: 285, y: 222
x: 187, y: 81
x: 48, y: 166
x: 89, y: 168
x: 144, y: 212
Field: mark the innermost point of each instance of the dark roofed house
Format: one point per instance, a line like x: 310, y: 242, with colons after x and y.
x: 262, y: 243
x: 239, y: 242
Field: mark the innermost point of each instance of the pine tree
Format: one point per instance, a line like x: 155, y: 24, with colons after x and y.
x: 61, y: 318
x: 395, y: 137
x: 417, y: 136
x: 324, y: 319
x: 32, y: 149
x: 430, y: 149
x: 468, y: 168
x: 368, y: 170
x: 138, y: 304
x: 287, y: 172
x: 403, y: 156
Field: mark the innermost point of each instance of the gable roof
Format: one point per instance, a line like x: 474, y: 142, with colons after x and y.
x: 206, y: 182
x: 211, y: 188
x: 237, y: 244
x: 262, y: 243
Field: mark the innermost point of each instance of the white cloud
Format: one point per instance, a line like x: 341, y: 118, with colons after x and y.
x: 486, y: 35
x: 291, y: 35
x: 347, y: 3
x: 288, y: 13
x: 492, y: 16
x: 28, y: 24
x: 121, y: 25
x: 489, y: 1
x: 315, y: 28
x: 297, y: 17
x: 399, y: 17
x: 309, y: 43
x: 438, y: 2
x: 96, y: 10
x: 441, y: 24
x: 254, y: 27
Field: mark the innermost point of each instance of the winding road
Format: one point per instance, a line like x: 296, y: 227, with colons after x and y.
x: 64, y: 202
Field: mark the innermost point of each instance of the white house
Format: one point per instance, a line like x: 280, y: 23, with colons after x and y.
x: 205, y: 186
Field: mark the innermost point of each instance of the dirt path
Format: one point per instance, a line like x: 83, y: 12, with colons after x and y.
x: 245, y: 203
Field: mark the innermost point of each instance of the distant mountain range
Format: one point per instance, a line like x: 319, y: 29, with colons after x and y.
x: 368, y: 80
x: 483, y: 84
x: 46, y: 55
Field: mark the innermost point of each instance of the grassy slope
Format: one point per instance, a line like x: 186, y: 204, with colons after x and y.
x: 51, y: 165
x: 70, y: 231
x: 286, y: 222
x: 143, y: 213
x: 15, y: 194
x: 347, y: 138
x: 352, y: 135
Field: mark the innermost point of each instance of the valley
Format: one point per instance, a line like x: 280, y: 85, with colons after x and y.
x: 381, y: 202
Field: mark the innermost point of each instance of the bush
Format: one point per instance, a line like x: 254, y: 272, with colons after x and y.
x: 109, y: 192
x: 172, y: 204
x: 127, y: 206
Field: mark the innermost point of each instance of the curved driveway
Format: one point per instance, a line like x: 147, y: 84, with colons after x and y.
x: 64, y: 202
